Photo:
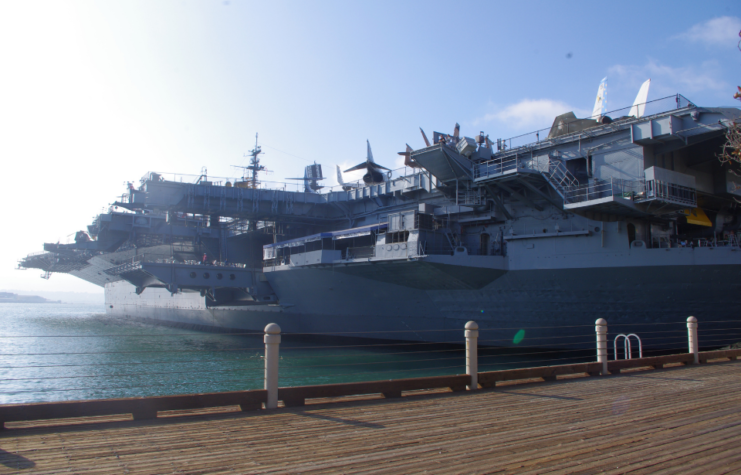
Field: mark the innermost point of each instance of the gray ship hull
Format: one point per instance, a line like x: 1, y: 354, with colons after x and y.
x: 432, y: 300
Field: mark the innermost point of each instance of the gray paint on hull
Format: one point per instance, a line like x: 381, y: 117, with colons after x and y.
x: 544, y: 302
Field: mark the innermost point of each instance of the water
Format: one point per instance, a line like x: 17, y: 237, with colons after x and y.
x: 57, y: 352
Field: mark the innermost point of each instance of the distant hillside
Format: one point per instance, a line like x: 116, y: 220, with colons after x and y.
x: 8, y: 297
x: 65, y: 297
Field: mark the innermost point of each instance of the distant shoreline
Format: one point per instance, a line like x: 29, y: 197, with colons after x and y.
x: 8, y: 297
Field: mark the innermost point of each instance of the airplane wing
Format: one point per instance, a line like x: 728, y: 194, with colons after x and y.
x: 358, y: 167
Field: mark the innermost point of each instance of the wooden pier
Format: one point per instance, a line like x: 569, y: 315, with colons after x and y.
x: 680, y: 419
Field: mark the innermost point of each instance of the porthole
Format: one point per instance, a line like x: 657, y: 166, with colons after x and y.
x: 206, y: 275
x: 192, y: 275
x: 232, y: 277
x: 596, y: 230
x: 545, y: 230
x: 219, y: 276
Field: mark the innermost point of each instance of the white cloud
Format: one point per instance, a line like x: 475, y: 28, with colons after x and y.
x: 666, y: 80
x: 530, y: 113
x: 721, y: 31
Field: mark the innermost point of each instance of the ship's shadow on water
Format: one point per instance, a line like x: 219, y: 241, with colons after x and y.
x: 15, y: 461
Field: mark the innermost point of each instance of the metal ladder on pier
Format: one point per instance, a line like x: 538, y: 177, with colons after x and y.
x: 627, y: 347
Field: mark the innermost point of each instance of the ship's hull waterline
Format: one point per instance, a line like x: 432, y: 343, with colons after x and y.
x: 556, y: 308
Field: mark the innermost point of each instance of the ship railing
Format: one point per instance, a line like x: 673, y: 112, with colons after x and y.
x: 401, y: 173
x: 669, y: 192
x: 657, y: 106
x: 409, y: 175
x: 732, y: 241
x: 38, y: 253
x: 631, y: 190
x: 497, y: 166
x: 135, y: 261
x: 179, y: 369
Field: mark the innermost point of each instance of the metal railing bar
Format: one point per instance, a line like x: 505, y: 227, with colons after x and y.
x: 590, y: 350
x: 128, y: 374
x: 384, y: 354
x: 541, y: 346
x: 369, y: 363
x: 130, y: 352
x: 134, y: 336
x: 453, y: 342
x: 737, y: 335
x: 113, y: 364
x: 533, y: 328
x: 545, y: 337
x: 180, y: 383
x: 534, y: 361
x: 369, y: 372
x: 202, y: 361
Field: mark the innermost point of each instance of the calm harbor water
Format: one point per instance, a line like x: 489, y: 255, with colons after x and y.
x: 55, y: 352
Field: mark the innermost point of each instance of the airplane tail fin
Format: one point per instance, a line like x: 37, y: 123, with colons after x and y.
x: 370, y: 154
x: 339, y: 176
x: 407, y: 154
x: 600, y: 104
x: 427, y: 142
x: 639, y: 105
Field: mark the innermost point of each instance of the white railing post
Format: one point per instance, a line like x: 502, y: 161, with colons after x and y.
x: 692, y: 338
x: 472, y: 353
x: 272, y: 345
x: 601, y: 329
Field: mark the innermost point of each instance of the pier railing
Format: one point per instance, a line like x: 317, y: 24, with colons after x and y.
x: 288, y: 371
x: 631, y: 190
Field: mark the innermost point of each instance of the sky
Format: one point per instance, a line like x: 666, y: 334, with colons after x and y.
x: 95, y: 94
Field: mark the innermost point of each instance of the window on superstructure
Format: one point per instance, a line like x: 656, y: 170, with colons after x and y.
x: 313, y: 246
x: 400, y: 236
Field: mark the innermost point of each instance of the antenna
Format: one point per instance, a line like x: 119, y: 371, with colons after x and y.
x: 254, y: 166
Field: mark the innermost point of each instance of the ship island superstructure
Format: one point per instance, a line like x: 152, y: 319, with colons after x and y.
x: 632, y: 219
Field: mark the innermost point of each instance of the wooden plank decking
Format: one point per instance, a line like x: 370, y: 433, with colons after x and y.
x: 684, y: 419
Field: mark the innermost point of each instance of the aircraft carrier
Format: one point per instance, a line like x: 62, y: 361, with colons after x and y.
x: 627, y: 216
